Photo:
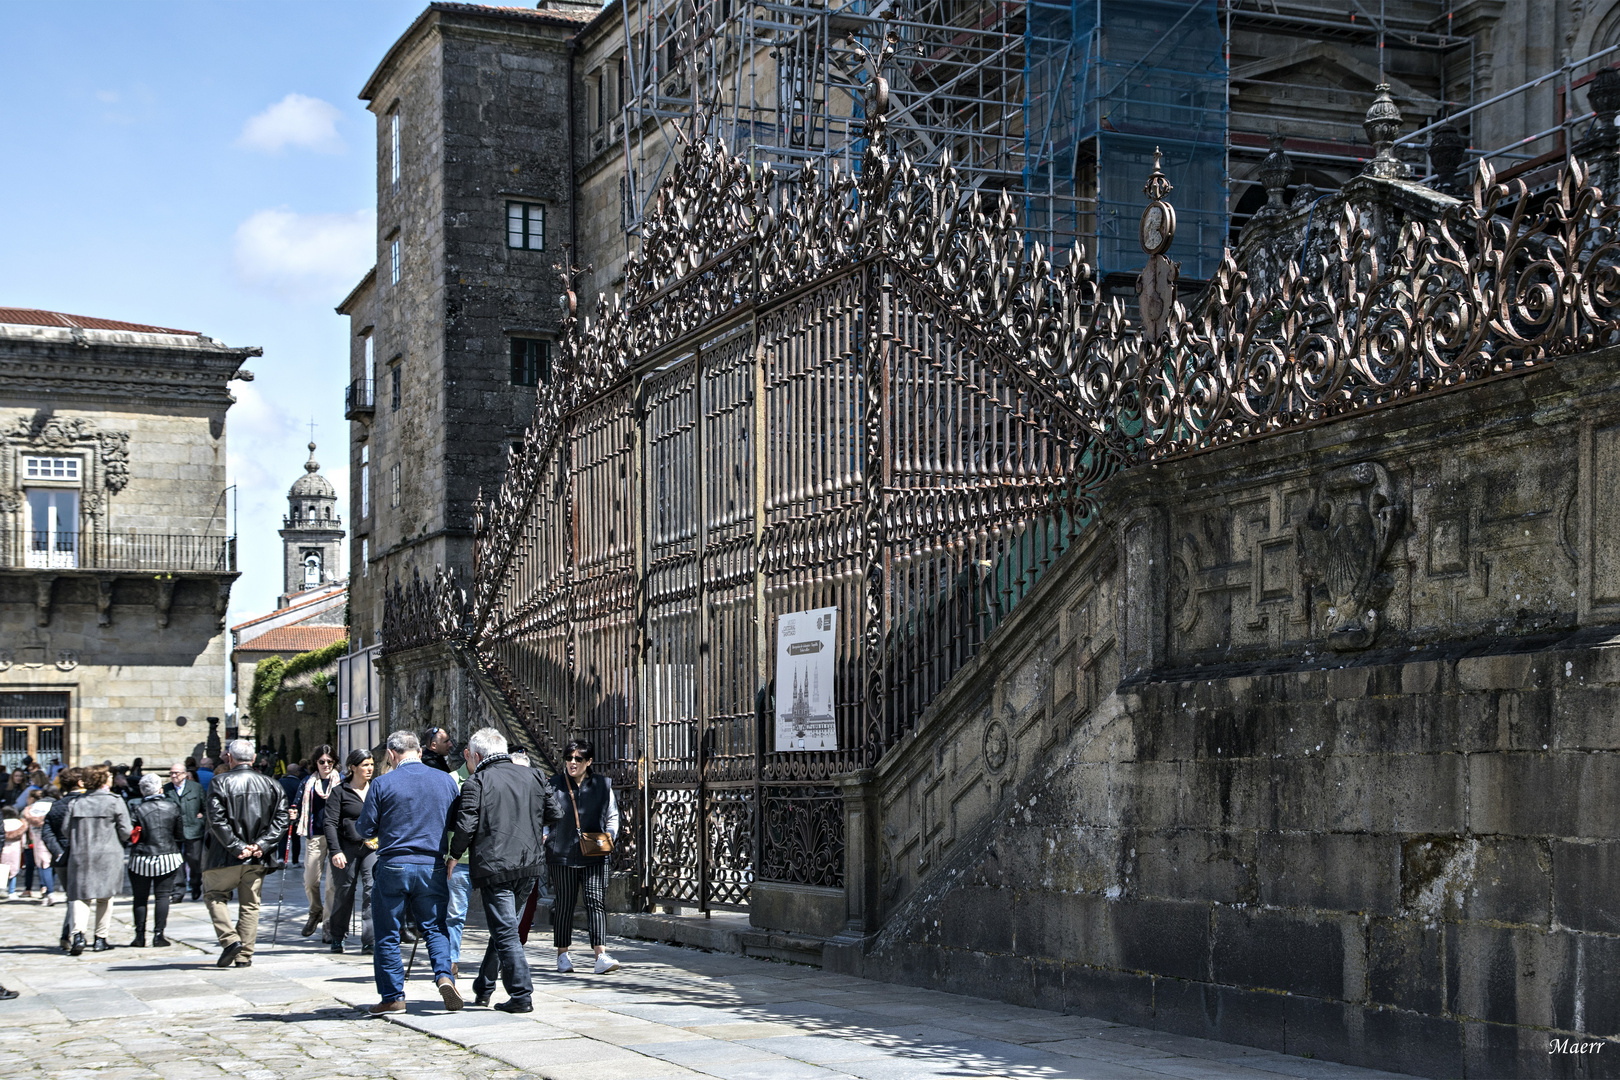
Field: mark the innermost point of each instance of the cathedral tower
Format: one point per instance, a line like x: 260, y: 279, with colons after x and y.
x: 311, y: 534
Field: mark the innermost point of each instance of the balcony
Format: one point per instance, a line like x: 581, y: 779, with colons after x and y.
x: 36, y: 549
x: 358, y: 400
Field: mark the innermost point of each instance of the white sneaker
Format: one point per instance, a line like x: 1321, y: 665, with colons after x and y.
x: 605, y: 964
x: 563, y: 963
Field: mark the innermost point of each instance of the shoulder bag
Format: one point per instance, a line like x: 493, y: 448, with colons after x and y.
x: 591, y: 844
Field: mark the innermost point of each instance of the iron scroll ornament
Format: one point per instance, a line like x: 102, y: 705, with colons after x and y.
x: 1495, y: 284
x: 1498, y: 283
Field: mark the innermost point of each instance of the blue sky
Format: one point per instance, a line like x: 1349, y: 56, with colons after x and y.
x: 204, y: 165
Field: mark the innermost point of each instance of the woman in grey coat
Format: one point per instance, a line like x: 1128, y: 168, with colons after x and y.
x: 97, y: 829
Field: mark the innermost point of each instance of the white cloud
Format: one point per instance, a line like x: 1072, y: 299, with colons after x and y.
x: 306, y: 254
x: 295, y: 120
x: 108, y: 96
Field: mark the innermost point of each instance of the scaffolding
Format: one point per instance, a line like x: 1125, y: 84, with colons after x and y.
x: 1061, y: 104
x: 1112, y: 81
x: 785, y: 83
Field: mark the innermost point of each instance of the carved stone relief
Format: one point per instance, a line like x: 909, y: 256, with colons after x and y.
x: 997, y: 745
x: 114, y: 459
x: 1343, y: 543
x: 106, y: 457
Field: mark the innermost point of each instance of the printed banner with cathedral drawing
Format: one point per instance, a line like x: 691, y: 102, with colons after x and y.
x: 806, y: 651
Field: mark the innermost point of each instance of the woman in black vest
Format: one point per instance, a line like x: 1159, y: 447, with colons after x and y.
x: 587, y: 804
x: 353, y: 859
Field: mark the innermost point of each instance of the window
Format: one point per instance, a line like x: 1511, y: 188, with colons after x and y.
x: 365, y: 480
x: 393, y: 387
x: 53, y: 528
x: 618, y: 84
x: 365, y: 557
x: 531, y: 362
x: 393, y: 261
x: 601, y: 98
x: 371, y: 363
x: 393, y: 145
x: 51, y: 468
x: 312, y: 570
x: 32, y: 725
x: 526, y: 226
x: 393, y: 485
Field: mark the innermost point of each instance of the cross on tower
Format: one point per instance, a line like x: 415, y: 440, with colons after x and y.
x: 311, y: 429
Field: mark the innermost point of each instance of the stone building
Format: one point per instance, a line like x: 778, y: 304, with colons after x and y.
x: 454, y: 327
x: 312, y: 623
x: 116, y: 561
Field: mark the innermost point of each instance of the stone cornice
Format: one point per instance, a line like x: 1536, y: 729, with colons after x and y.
x: 120, y: 365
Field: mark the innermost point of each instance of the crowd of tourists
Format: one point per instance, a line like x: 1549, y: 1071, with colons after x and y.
x: 403, y: 842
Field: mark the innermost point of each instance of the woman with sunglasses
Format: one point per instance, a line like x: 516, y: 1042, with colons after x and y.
x: 311, y: 818
x: 353, y: 858
x: 587, y: 804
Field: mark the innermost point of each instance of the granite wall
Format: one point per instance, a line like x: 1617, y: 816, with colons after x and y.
x: 1311, y: 744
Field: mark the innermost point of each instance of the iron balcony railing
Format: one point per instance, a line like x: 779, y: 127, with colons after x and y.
x: 36, y: 549
x: 358, y: 399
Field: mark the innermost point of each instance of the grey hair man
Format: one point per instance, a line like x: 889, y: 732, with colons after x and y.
x: 405, y: 811
x: 501, y: 814
x: 247, y: 815
x: 182, y: 789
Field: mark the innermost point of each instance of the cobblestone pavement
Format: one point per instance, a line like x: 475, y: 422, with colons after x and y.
x: 170, y: 1014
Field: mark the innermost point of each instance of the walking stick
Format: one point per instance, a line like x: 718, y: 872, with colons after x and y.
x: 412, y: 962
x: 281, y: 886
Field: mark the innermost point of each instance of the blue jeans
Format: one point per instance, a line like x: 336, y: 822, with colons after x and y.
x: 456, y: 919
x: 504, y: 958
x: 421, y: 889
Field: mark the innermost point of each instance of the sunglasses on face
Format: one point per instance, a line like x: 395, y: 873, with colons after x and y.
x: 576, y: 757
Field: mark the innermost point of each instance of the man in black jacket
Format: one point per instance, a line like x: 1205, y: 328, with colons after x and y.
x: 247, y: 813
x: 501, y: 813
x: 182, y: 789
x: 54, y: 832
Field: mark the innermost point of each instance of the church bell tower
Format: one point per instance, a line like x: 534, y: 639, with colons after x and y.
x: 311, y: 533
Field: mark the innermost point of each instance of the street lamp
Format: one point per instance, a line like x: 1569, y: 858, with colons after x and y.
x: 299, y: 704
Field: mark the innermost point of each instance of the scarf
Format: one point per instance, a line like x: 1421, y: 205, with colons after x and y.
x: 305, y: 816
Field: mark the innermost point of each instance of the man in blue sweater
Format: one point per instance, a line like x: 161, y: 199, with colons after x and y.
x: 405, y: 811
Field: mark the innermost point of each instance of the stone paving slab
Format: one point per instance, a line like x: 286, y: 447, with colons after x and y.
x: 171, y: 1014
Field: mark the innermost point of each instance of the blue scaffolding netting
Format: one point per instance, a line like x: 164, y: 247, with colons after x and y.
x: 1107, y: 82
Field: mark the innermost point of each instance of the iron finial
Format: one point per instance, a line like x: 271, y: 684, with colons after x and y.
x: 1158, y: 185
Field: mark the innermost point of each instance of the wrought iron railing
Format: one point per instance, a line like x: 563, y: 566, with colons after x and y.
x: 358, y: 399
x: 34, y: 549
x: 869, y: 394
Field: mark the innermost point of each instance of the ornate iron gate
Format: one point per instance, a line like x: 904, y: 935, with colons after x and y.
x: 868, y: 395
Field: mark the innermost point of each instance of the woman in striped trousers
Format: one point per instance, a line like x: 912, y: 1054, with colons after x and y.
x: 587, y: 805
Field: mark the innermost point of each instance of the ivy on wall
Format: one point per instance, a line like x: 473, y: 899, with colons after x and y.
x: 273, y: 671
